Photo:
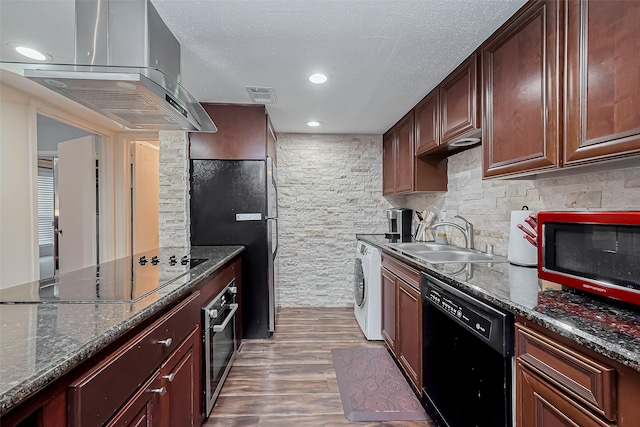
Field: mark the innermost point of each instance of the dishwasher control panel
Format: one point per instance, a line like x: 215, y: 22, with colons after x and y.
x: 461, y: 311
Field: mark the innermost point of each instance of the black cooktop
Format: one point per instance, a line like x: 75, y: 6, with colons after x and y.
x: 123, y: 280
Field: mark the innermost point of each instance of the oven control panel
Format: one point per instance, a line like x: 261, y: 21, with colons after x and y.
x: 461, y: 311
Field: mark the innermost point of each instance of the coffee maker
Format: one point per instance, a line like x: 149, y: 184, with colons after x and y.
x: 399, y: 224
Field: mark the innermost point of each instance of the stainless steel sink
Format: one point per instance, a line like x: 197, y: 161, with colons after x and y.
x: 435, y: 253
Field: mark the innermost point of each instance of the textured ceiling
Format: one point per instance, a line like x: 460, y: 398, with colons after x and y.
x: 382, y: 56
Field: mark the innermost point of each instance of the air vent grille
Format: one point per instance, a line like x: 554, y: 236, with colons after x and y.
x: 261, y: 95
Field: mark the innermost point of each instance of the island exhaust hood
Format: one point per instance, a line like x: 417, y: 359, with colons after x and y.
x: 127, y: 68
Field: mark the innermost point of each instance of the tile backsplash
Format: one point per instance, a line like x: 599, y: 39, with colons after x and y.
x: 488, y: 204
x: 330, y: 188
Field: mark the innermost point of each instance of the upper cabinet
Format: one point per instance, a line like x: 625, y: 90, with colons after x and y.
x: 244, y: 133
x: 520, y: 84
x: 459, y: 113
x: 427, y: 121
x: 402, y: 171
x: 450, y: 112
x: 603, y: 80
x: 560, y: 86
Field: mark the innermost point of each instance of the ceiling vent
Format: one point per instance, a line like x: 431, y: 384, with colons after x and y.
x: 261, y: 95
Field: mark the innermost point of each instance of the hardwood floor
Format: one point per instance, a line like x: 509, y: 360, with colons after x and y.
x: 289, y: 380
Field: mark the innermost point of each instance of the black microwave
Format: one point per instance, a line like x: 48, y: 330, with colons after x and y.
x: 597, y: 252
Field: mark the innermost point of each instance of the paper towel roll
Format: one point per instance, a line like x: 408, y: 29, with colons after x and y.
x: 521, y: 252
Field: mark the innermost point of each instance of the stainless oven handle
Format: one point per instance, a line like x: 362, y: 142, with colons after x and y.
x: 220, y: 328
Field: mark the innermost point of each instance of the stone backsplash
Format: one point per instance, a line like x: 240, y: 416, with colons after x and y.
x: 488, y: 204
x: 174, y: 190
x: 330, y: 188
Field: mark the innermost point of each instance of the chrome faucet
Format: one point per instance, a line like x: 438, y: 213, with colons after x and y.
x: 467, y: 230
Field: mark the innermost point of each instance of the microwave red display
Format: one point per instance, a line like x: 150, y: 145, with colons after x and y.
x: 597, y: 252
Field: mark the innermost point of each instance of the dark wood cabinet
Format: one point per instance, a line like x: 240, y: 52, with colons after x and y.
x: 409, y: 342
x: 402, y: 316
x: 521, y: 87
x: 398, y: 158
x: 459, y: 112
x: 405, y: 155
x: 402, y: 171
x: 389, y: 163
x: 561, y: 383
x: 540, y: 405
x: 143, y: 409
x: 603, y: 80
x: 181, y: 377
x: 427, y: 123
x: 560, y: 87
x: 244, y: 133
x: 388, y: 282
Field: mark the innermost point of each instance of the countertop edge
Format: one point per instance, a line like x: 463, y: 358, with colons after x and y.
x: 37, y: 382
x: 607, y: 349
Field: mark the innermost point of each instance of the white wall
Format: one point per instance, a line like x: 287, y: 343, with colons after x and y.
x: 330, y: 188
x: 18, y: 165
x: 17, y: 209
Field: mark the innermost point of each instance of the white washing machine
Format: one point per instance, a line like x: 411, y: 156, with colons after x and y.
x: 367, y: 290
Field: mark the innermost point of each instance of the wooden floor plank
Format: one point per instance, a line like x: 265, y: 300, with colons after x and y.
x: 289, y: 379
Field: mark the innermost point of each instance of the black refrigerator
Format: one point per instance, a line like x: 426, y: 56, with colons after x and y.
x: 234, y: 202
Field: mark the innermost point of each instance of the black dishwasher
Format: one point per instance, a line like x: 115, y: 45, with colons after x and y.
x: 467, y: 349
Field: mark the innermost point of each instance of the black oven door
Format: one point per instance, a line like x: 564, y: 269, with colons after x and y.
x: 220, y: 347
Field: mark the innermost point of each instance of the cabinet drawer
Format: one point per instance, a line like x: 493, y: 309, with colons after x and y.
x: 98, y: 394
x: 586, y: 379
x: 403, y: 271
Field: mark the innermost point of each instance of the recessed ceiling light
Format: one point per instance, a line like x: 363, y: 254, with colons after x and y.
x: 313, y: 123
x: 30, y: 53
x: 318, y: 78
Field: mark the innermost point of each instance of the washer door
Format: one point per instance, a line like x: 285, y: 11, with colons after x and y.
x: 359, y: 284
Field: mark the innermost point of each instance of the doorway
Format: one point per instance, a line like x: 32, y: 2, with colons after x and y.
x: 68, y: 205
x: 145, y: 195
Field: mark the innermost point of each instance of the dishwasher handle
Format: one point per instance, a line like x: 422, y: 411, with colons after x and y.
x: 223, y: 325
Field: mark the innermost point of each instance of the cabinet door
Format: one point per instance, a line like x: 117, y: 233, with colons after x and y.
x: 409, y: 340
x: 405, y: 157
x: 427, y: 123
x: 520, y: 84
x: 143, y: 408
x: 388, y: 163
x: 459, y: 111
x: 388, y: 282
x: 181, y: 378
x: 603, y: 79
x: 538, y: 404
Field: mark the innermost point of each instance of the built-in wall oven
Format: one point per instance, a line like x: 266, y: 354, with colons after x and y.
x: 467, y: 349
x: 219, y: 342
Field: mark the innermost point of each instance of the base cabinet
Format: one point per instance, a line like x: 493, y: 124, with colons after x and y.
x: 402, y: 316
x: 560, y: 383
x: 540, y: 405
x: 151, y: 377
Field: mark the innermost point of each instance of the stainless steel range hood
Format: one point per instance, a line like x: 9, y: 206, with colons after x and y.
x: 127, y: 68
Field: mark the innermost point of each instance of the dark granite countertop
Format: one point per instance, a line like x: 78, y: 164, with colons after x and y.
x: 608, y: 328
x: 40, y: 342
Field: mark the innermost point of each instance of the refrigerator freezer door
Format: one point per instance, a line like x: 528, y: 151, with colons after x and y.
x: 220, y: 190
x: 272, y: 189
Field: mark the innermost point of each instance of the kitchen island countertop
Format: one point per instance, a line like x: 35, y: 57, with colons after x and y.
x: 40, y: 342
x: 609, y: 328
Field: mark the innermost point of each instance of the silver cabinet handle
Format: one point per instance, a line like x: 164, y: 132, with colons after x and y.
x: 166, y: 342
x: 220, y: 328
x: 170, y: 377
x: 161, y: 391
